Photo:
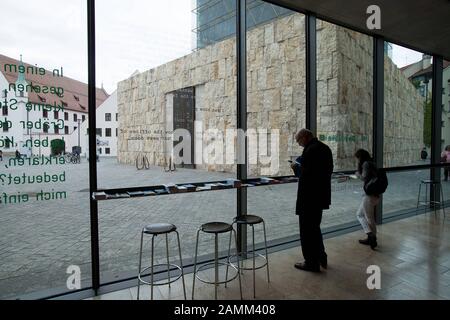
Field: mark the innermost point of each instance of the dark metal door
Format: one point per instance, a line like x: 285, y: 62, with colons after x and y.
x: 183, y: 118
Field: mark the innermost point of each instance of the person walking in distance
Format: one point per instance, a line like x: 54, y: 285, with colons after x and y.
x: 313, y: 196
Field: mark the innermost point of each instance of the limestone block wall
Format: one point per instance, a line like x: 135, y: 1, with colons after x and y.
x: 275, y: 98
x: 403, y: 118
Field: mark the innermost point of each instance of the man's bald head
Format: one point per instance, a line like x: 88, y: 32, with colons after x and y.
x: 303, y: 137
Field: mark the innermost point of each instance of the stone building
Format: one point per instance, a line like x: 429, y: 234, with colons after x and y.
x: 148, y: 102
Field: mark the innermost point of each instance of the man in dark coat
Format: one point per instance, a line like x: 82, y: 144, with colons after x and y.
x: 313, y: 196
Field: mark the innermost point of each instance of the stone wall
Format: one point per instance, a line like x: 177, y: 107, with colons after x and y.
x: 275, y: 97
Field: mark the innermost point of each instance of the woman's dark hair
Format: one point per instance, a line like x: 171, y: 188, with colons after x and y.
x: 363, y: 156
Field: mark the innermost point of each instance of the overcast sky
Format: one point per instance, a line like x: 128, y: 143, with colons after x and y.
x: 130, y: 35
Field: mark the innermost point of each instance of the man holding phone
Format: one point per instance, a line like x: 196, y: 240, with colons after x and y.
x: 314, y: 169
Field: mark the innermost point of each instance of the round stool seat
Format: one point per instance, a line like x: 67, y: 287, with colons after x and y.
x: 159, y: 228
x: 216, y: 227
x: 248, y: 219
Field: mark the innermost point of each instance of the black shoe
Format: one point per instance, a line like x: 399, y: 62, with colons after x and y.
x: 370, y: 241
x: 365, y: 241
x: 324, y: 262
x: 373, y: 242
x: 305, y: 267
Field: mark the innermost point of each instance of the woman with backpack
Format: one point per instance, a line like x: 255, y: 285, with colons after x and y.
x: 367, y: 171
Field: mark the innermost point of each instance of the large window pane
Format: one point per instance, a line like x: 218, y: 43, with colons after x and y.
x: 275, y: 111
x: 44, y: 221
x: 344, y: 110
x: 176, y: 105
x: 407, y: 107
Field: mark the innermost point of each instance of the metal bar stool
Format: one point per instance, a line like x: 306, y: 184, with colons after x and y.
x: 156, y: 229
x: 216, y: 228
x: 433, y: 184
x: 251, y: 220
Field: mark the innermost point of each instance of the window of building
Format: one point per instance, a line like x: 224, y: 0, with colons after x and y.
x: 74, y: 128
x: 108, y: 132
x: 98, y: 132
x: 56, y: 129
x: 100, y: 150
x: 4, y: 93
x: 83, y: 117
x: 117, y: 117
x: 75, y: 117
x: 66, y: 116
x: 66, y: 129
x: 107, y: 116
x: 107, y: 150
x: 44, y: 113
x: 56, y: 114
x: 4, y: 110
x: 117, y: 130
x: 45, y: 128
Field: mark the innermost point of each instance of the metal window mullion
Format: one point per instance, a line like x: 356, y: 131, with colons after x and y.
x: 436, y: 118
x: 93, y: 146
x: 241, y: 114
x: 311, y: 73
x: 378, y: 112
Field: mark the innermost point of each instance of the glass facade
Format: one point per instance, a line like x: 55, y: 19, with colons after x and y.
x: 176, y: 120
x: 216, y: 19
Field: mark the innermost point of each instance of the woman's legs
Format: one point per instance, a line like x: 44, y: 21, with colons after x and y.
x: 366, y: 216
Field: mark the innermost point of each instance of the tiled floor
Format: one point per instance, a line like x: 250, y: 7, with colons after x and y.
x: 413, y: 256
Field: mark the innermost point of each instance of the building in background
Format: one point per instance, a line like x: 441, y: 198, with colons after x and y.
x: 420, y: 74
x: 215, y: 19
x: 69, y: 109
x: 198, y: 91
x: 107, y: 119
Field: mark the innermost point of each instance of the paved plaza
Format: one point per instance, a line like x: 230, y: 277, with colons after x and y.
x: 40, y: 239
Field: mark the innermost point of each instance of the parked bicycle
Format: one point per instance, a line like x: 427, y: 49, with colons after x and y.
x: 72, y: 158
x: 142, y: 162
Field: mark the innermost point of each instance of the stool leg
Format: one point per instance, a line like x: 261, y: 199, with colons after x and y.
x: 151, y: 281
x: 434, y: 194
x: 167, y: 253
x: 195, y: 264
x: 140, y: 263
x: 228, y: 260
x: 254, y: 265
x: 265, y: 246
x: 418, y: 196
x: 442, y: 200
x: 238, y: 269
x: 181, y: 264
x: 216, y: 265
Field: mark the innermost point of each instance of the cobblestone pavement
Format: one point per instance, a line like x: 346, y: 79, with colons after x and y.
x: 40, y: 239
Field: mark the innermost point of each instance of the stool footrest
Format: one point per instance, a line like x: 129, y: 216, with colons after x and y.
x: 213, y: 264
x: 249, y: 259
x: 140, y: 276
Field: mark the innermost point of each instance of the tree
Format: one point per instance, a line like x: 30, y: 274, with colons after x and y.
x: 427, y: 124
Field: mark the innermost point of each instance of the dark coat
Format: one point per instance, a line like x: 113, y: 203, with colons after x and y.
x: 314, y: 185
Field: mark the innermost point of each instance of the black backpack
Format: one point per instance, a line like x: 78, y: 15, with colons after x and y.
x: 378, y: 184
